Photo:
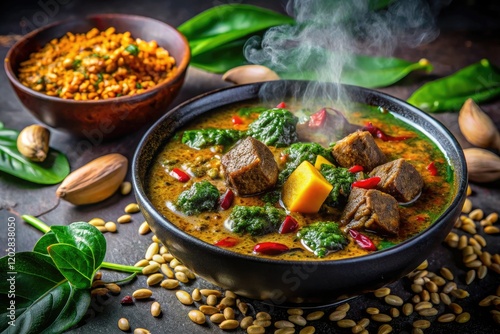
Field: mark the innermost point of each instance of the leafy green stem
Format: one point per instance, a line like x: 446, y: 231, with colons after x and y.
x: 36, y: 223
x: 121, y: 267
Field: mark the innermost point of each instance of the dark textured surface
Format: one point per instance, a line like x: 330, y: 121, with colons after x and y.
x: 469, y: 34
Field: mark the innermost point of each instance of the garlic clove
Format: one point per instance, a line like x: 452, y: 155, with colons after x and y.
x: 249, y: 73
x: 95, y: 181
x: 482, y: 165
x: 477, y: 127
x: 33, y: 142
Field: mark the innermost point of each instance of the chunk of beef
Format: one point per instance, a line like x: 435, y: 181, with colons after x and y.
x: 358, y: 148
x: 371, y: 209
x: 400, y: 179
x: 249, y: 167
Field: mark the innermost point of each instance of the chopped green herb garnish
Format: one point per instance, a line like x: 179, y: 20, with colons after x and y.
x: 132, y: 49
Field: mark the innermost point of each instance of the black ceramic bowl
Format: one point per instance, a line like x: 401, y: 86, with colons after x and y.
x: 281, y: 281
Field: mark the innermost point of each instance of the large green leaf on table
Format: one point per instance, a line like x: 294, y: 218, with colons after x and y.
x: 360, y: 70
x: 77, y: 250
x: 372, y: 72
x: 226, y: 23
x: 221, y: 59
x: 479, y: 81
x: 45, y: 301
x: 53, y: 170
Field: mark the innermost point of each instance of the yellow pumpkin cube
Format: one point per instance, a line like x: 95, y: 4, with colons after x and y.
x: 321, y: 160
x: 305, y: 189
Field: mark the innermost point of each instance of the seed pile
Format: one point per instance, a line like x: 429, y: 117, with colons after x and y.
x: 96, y: 65
x: 432, y: 296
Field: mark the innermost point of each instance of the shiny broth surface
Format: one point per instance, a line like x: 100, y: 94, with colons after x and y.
x: 163, y: 189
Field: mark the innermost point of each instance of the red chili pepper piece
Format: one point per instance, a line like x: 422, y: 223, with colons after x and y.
x: 281, y: 105
x: 283, y: 157
x: 179, y: 175
x: 362, y: 240
x: 318, y: 119
x: 227, y: 242
x: 420, y: 218
x: 432, y: 169
x: 270, y: 248
x: 376, y: 132
x: 368, y: 183
x: 289, y: 225
x: 237, y: 120
x: 127, y: 300
x: 356, y: 168
x: 227, y: 199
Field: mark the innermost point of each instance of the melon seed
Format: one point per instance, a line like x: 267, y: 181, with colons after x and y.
x: 154, y: 279
x: 113, y: 288
x: 153, y: 249
x: 144, y: 228
x: 181, y: 277
x: 346, y: 323
x: 197, y: 317
x: 337, y: 315
x: 308, y: 330
x: 286, y: 330
x: 393, y: 300
x: 384, y: 329
x: 421, y: 324
x: 110, y: 227
x: 463, y: 317
x: 150, y: 269
x: 208, y: 310
x: 155, y: 309
x: 246, y: 322
x: 125, y: 188
x: 132, y: 208
x: 297, y: 319
x: 254, y: 329
x: 381, y: 317
x: 123, y: 324
x: 142, y: 293
x: 124, y: 219
x: 141, y: 331
x: 169, y: 284
x: 382, y: 292
x: 184, y: 297
x: 228, y: 313
x: 447, y: 317
x: 229, y: 324
x: 315, y: 315
x: 217, y: 318
x: 97, y: 222
x: 284, y: 324
x: 211, y: 300
x: 295, y: 311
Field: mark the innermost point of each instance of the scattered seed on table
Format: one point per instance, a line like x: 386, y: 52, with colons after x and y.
x: 169, y: 284
x: 407, y: 309
x: 124, y: 219
x: 208, y: 310
x: 435, y: 299
x: 229, y: 313
x: 297, y: 319
x: 99, y: 292
x: 175, y: 262
x: 382, y: 292
x: 97, y: 222
x: 447, y: 317
x: 486, y: 301
x: 142, y: 293
x: 144, y: 228
x: 263, y: 316
x: 254, y: 329
x: 446, y: 273
x: 284, y: 324
x: 151, y: 269
x: 158, y: 259
x: 285, y: 331
x: 421, y: 324
x: 393, y: 300
x: 457, y: 309
x: 113, y: 288
x: 197, y: 317
x: 229, y: 301
x: 229, y: 293
x: 196, y: 295
x: 308, y: 330
x: 491, y: 230
x: 155, y: 309
x: 217, y: 318
x: 293, y: 311
x: 243, y: 307
x: 207, y: 292
x: 372, y: 310
x: 381, y: 317
x: 101, y: 229
x: 154, y: 238
x: 492, y: 217
x: 337, y: 315
x: 315, y: 315
x: 141, y: 331
x: 463, y: 317
x: 476, y: 214
x: 184, y: 297
x: 229, y: 324
x: 262, y: 323
x: 132, y: 208
x: 125, y: 188
x: 142, y: 263
x: 246, y: 322
x: 467, y: 207
x: 346, y: 323
x: 394, y: 312
x: 384, y: 329
x: 212, y: 300
x: 154, y: 279
x: 428, y: 312
x: 123, y: 324
x: 181, y: 277
x: 343, y: 307
x: 445, y: 298
x: 110, y: 227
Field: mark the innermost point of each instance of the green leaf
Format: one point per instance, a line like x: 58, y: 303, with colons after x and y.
x: 74, y: 264
x: 53, y: 170
x: 479, y: 81
x: 224, y: 24
x: 221, y: 59
x: 45, y: 302
x: 360, y: 70
x: 44, y: 242
x: 372, y: 72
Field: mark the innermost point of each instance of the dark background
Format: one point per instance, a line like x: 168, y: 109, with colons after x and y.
x: 470, y: 30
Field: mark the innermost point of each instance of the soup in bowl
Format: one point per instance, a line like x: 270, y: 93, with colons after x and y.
x: 277, y: 199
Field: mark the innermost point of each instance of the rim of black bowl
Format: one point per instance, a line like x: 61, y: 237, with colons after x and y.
x: 181, y: 68
x: 440, y: 222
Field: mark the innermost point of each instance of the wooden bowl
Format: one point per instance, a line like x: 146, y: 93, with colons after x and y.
x: 107, y: 118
